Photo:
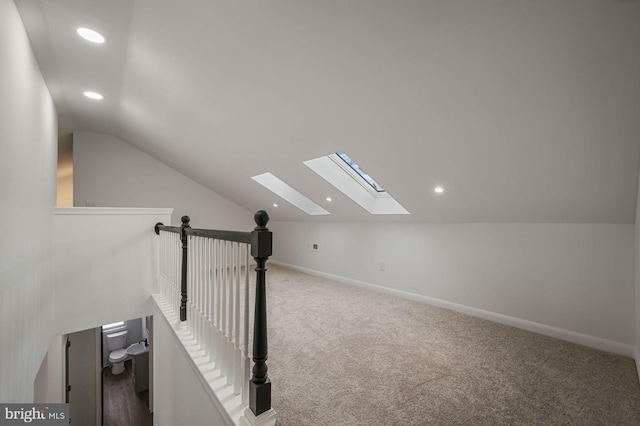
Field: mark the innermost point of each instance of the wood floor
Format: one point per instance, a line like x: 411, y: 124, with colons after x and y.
x: 122, y: 406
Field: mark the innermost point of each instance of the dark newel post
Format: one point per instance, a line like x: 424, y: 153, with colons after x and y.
x: 260, y: 385
x: 183, y: 278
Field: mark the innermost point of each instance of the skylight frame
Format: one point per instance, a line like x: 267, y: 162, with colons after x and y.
x: 338, y: 173
x: 361, y: 173
x: 289, y: 194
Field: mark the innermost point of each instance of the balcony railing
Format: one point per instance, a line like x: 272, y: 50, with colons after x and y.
x: 205, y: 279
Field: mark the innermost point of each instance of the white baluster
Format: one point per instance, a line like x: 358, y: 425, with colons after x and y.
x: 237, y: 354
x: 246, y: 362
x: 169, y: 262
x: 205, y: 300
x: 193, y: 291
x: 219, y: 282
x: 210, y: 299
x: 165, y: 261
x: 225, y: 308
x: 214, y: 305
x: 214, y: 297
x: 230, y: 315
x: 231, y: 373
x: 225, y: 323
x: 162, y: 259
x: 202, y: 291
x: 198, y: 294
x: 193, y: 252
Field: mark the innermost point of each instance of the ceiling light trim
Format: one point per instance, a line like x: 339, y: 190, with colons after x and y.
x: 91, y: 35
x: 93, y: 95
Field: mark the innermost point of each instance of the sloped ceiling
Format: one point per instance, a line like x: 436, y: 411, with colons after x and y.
x: 525, y: 111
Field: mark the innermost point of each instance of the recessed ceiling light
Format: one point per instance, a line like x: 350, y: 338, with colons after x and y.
x: 90, y: 35
x: 275, y: 205
x: 93, y: 95
x: 329, y: 199
x: 439, y: 189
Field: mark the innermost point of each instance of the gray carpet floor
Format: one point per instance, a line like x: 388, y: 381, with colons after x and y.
x: 342, y: 355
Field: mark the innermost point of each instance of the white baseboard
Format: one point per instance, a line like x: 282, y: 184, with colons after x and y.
x: 268, y: 418
x: 547, y: 330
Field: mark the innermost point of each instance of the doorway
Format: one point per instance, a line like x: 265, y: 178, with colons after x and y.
x: 126, y: 394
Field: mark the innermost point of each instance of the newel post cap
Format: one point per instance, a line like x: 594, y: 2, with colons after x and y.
x: 261, y: 218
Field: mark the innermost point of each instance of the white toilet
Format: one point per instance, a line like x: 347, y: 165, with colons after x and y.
x: 117, y: 353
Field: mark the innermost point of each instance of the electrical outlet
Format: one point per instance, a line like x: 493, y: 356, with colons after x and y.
x: 381, y: 265
x: 312, y: 246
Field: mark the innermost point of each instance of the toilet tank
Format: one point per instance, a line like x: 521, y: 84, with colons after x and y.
x: 117, y: 340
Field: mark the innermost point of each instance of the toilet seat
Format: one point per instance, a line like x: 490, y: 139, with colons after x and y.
x: 118, y: 355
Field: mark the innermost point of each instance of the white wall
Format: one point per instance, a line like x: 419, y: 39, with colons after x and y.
x: 574, y: 277
x: 105, y: 265
x: 28, y: 194
x: 49, y: 383
x: 112, y: 173
x: 180, y: 397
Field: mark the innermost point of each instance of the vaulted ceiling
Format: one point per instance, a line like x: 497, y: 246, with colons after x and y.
x: 525, y: 111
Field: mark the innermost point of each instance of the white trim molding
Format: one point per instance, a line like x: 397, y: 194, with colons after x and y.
x: 547, y: 330
x: 268, y: 418
x: 112, y: 211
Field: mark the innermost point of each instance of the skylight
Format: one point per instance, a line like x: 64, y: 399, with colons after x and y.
x: 342, y: 172
x: 359, y: 171
x: 282, y: 189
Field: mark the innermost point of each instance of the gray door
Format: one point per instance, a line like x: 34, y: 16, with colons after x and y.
x: 84, y: 378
